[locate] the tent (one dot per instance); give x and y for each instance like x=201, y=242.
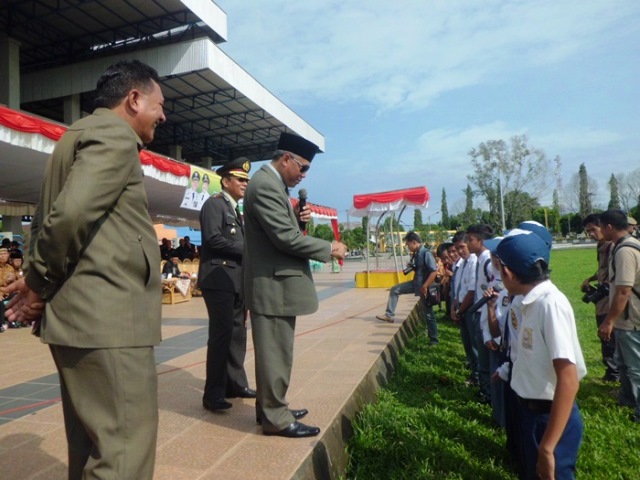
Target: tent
x=381, y=203
x=371, y=204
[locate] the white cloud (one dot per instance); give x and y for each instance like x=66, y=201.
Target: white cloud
x=406, y=54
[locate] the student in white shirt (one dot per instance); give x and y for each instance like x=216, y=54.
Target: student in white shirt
x=465, y=293
x=549, y=365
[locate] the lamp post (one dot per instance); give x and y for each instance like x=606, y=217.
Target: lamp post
x=504, y=226
x=429, y=220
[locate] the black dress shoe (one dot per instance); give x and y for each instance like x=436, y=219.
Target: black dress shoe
x=217, y=404
x=295, y=430
x=297, y=414
x=244, y=393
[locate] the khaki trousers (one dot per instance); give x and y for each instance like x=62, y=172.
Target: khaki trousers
x=110, y=405
x=273, y=346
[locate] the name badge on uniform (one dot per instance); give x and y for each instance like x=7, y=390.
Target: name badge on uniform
x=527, y=339
x=514, y=320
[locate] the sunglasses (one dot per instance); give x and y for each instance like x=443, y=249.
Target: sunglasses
x=303, y=168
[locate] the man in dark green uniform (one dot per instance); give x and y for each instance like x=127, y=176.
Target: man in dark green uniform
x=93, y=258
x=277, y=279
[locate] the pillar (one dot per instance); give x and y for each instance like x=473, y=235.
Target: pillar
x=10, y=72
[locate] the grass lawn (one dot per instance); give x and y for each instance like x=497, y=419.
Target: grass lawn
x=428, y=425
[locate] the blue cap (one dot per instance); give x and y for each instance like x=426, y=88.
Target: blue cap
x=538, y=229
x=521, y=252
x=492, y=244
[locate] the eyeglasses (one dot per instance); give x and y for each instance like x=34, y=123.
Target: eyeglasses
x=303, y=168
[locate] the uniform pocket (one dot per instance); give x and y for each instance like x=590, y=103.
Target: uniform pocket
x=287, y=272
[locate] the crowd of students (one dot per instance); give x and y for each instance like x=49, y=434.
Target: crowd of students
x=519, y=335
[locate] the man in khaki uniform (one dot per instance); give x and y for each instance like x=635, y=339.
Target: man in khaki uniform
x=277, y=279
x=93, y=258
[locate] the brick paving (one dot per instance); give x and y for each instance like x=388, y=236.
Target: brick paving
x=342, y=353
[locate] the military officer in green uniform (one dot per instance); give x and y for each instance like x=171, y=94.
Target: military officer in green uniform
x=93, y=259
x=278, y=284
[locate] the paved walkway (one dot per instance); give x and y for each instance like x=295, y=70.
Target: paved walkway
x=341, y=354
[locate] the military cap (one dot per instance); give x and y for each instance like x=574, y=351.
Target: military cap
x=195, y=175
x=239, y=167
x=632, y=222
x=205, y=178
x=298, y=145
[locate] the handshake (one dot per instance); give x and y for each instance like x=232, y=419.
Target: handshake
x=338, y=250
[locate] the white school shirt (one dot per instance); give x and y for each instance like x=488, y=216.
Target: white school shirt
x=467, y=277
x=548, y=332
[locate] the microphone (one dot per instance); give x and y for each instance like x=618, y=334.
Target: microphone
x=302, y=202
x=497, y=288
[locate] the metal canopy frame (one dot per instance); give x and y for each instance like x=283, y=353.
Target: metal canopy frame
x=206, y=116
x=59, y=32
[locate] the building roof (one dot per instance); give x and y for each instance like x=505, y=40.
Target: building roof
x=214, y=107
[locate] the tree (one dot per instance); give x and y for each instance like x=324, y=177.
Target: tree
x=584, y=207
x=614, y=197
x=444, y=210
x=522, y=207
x=417, y=219
x=324, y=232
x=555, y=211
x=571, y=196
x=629, y=188
x=469, y=215
x=513, y=167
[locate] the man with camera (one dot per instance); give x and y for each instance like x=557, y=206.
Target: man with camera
x=599, y=294
x=623, y=317
x=424, y=265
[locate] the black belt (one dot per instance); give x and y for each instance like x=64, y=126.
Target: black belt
x=536, y=406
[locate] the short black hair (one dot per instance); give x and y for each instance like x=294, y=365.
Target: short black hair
x=119, y=79
x=412, y=237
x=443, y=247
x=482, y=231
x=539, y=272
x=616, y=218
x=459, y=237
x=593, y=218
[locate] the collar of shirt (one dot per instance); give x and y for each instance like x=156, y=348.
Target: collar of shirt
x=537, y=292
x=230, y=199
x=278, y=175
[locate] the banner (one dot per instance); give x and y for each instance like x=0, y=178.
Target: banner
x=202, y=184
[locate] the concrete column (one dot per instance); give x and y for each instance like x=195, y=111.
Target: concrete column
x=206, y=162
x=72, y=108
x=175, y=151
x=10, y=72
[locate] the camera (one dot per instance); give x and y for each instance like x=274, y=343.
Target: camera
x=411, y=266
x=595, y=294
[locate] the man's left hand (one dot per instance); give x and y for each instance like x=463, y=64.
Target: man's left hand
x=605, y=329
x=26, y=306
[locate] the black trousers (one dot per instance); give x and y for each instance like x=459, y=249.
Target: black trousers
x=227, y=345
x=608, y=348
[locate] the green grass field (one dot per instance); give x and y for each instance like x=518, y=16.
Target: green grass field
x=428, y=425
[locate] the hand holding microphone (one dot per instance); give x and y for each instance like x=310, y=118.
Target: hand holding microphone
x=304, y=213
x=490, y=294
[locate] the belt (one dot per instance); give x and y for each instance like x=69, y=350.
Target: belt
x=536, y=406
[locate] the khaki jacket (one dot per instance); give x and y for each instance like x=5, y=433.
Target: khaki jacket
x=92, y=253
x=277, y=276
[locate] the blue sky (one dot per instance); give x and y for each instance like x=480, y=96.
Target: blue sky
x=402, y=90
